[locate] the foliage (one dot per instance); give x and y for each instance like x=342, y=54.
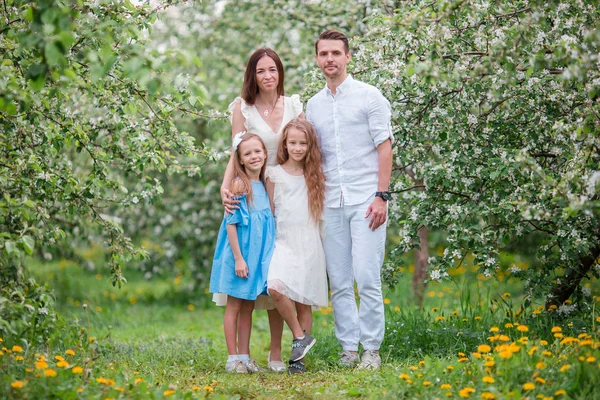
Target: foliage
x=87, y=116
x=27, y=314
x=157, y=349
x=496, y=108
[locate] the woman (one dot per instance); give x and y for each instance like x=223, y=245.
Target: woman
x=263, y=110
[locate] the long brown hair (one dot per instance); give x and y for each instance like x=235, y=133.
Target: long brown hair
x=250, y=88
x=313, y=170
x=239, y=170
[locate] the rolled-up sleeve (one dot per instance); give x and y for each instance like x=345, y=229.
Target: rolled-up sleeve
x=380, y=114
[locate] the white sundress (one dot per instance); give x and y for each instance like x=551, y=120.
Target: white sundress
x=297, y=267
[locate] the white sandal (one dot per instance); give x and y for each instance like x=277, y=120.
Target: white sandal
x=276, y=366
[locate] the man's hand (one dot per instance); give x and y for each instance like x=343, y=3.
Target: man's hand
x=229, y=203
x=241, y=269
x=378, y=212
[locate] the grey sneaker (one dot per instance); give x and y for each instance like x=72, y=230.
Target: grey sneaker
x=236, y=367
x=348, y=359
x=300, y=347
x=370, y=360
x=252, y=367
x=297, y=367
x=275, y=366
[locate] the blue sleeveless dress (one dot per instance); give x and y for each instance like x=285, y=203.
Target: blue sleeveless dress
x=256, y=236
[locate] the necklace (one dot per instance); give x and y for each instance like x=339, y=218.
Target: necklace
x=266, y=112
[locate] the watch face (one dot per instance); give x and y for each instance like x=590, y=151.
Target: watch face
x=384, y=195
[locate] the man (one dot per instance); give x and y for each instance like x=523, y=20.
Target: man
x=352, y=120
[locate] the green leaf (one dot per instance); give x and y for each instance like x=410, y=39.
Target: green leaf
x=28, y=244
x=53, y=54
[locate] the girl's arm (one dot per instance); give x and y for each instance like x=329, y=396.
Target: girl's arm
x=237, y=126
x=270, y=187
x=241, y=269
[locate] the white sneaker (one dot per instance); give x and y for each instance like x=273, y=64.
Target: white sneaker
x=252, y=367
x=370, y=360
x=349, y=359
x=236, y=366
x=276, y=366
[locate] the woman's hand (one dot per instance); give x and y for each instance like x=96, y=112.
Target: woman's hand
x=229, y=203
x=241, y=269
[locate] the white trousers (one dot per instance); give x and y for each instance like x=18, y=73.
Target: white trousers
x=355, y=253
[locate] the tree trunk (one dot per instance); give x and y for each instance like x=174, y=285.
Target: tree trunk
x=421, y=256
x=568, y=283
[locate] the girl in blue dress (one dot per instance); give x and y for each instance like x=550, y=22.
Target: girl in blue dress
x=244, y=248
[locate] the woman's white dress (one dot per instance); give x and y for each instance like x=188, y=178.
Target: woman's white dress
x=297, y=267
x=292, y=107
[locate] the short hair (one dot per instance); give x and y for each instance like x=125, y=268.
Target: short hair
x=250, y=88
x=333, y=35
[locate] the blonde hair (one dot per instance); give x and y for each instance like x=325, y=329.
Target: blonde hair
x=239, y=170
x=313, y=170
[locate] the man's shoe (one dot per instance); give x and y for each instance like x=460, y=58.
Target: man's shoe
x=370, y=360
x=300, y=347
x=297, y=367
x=349, y=359
x=236, y=367
x=252, y=367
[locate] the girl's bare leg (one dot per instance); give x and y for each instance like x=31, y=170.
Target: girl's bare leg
x=305, y=317
x=276, y=327
x=230, y=323
x=286, y=308
x=245, y=326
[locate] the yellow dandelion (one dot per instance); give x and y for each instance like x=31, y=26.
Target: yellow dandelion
x=386, y=301
x=558, y=335
x=413, y=368
x=488, y=379
x=488, y=396
x=540, y=380
x=18, y=358
x=196, y=388
x=489, y=363
x=426, y=383
x=505, y=295
x=570, y=324
x=556, y=329
x=540, y=365
x=528, y=386
x=560, y=392
x=590, y=359
x=463, y=359
x=69, y=352
x=191, y=307
x=449, y=367
x=477, y=318
x=543, y=343
x=62, y=364
x=403, y=376
x=17, y=349
x=1, y=340
x=92, y=339
x=504, y=338
x=597, y=319
x=397, y=308
x=547, y=353
x=77, y=370
x=565, y=368
x=505, y=354
x=522, y=328
x=138, y=380
x=440, y=318
x=476, y=355
x=494, y=329
x=508, y=325
x=208, y=389
x=50, y=372
x=445, y=386
x=484, y=348
x=99, y=309
x=17, y=384
x=41, y=364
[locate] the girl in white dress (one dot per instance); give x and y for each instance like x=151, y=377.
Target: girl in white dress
x=297, y=276
x=262, y=110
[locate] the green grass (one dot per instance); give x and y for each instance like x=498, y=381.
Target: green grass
x=172, y=343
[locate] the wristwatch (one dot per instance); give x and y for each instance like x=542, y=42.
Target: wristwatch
x=385, y=196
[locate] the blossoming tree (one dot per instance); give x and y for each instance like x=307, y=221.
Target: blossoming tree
x=497, y=110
